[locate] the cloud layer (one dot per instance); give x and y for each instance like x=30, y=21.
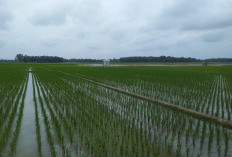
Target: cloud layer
x=113, y=29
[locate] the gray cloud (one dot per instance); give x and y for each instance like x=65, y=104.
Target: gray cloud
x=5, y=18
x=2, y=43
x=49, y=44
x=209, y=23
x=107, y=29
x=196, y=15
x=51, y=18
x=213, y=37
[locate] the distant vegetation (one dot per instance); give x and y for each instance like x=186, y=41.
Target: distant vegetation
x=134, y=59
x=219, y=60
x=82, y=60
x=6, y=60
x=157, y=59
x=38, y=59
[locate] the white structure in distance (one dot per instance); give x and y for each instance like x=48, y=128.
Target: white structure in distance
x=106, y=62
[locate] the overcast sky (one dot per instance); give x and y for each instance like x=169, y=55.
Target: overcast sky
x=116, y=28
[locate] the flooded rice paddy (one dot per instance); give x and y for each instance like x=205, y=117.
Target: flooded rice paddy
x=45, y=112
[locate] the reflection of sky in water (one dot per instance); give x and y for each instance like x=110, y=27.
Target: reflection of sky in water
x=27, y=138
x=27, y=142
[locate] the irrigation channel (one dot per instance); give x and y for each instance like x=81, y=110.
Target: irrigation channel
x=27, y=145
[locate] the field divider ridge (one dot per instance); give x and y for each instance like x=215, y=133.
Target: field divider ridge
x=203, y=116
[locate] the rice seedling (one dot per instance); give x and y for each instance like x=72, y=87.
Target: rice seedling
x=38, y=130
x=76, y=117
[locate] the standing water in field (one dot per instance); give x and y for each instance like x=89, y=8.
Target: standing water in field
x=27, y=145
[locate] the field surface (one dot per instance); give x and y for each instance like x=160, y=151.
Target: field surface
x=68, y=110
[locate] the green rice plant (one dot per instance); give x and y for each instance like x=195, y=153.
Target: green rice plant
x=6, y=129
x=55, y=121
x=38, y=134
x=19, y=121
x=46, y=121
x=89, y=120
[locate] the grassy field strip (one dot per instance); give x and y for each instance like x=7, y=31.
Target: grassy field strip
x=223, y=122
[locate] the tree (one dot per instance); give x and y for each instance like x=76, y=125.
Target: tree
x=38, y=59
x=157, y=59
x=19, y=57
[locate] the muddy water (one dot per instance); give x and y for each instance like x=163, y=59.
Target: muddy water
x=27, y=145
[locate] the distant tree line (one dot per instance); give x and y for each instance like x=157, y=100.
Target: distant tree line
x=218, y=60
x=158, y=59
x=38, y=59
x=6, y=61
x=55, y=59
x=74, y=60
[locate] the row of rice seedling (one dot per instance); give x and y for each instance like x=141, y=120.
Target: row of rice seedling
x=93, y=130
x=78, y=118
x=188, y=135
x=110, y=123
x=37, y=123
x=19, y=120
x=204, y=89
x=65, y=122
x=55, y=121
x=46, y=121
x=13, y=82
